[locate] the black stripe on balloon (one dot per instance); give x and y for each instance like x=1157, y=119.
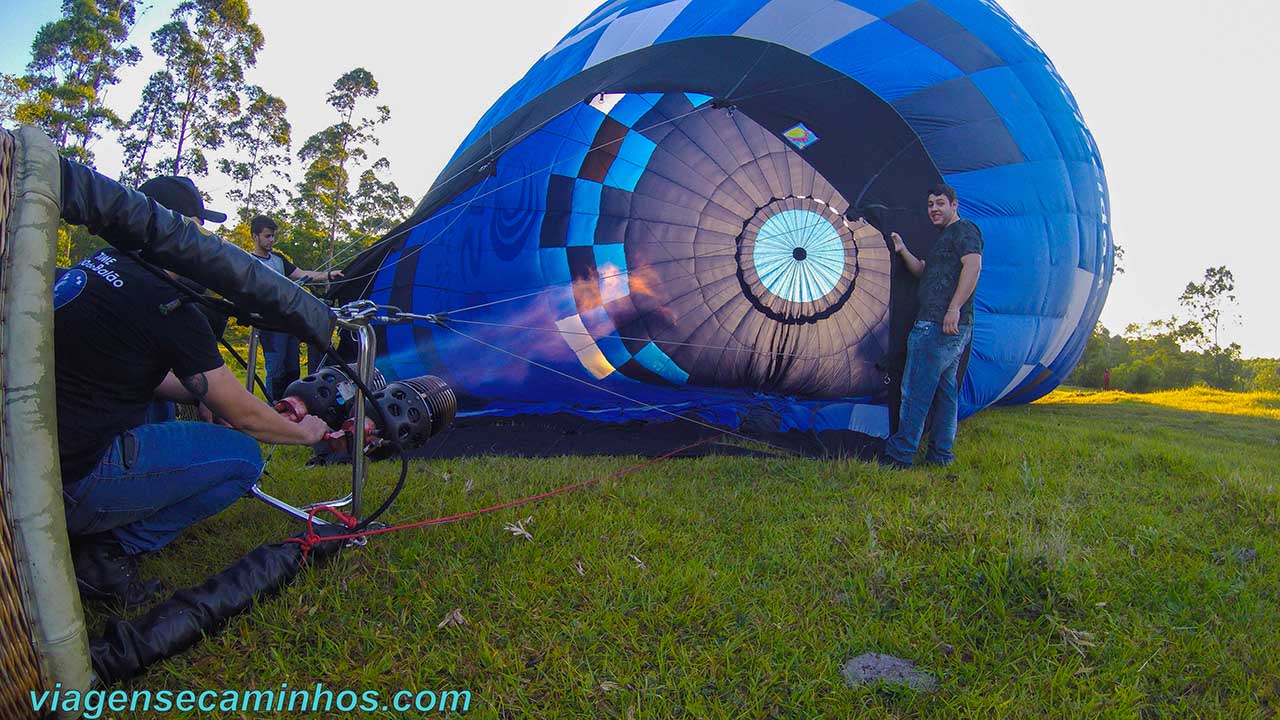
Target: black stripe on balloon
x=975, y=137
x=944, y=35
x=634, y=334
x=586, y=277
x=615, y=209
x=622, y=312
x=605, y=146
x=610, y=230
x=555, y=229
x=655, y=124
x=636, y=371
x=555, y=224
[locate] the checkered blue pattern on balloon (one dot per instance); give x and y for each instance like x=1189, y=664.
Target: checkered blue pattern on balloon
x=681, y=233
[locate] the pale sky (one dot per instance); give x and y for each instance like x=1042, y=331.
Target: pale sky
x=1180, y=95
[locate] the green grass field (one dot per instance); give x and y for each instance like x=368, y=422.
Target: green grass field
x=1092, y=555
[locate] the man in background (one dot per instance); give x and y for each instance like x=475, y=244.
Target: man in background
x=944, y=325
x=281, y=350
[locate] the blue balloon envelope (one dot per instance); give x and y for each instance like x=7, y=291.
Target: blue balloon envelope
x=682, y=207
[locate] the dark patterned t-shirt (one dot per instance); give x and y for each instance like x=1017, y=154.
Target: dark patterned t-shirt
x=942, y=272
x=115, y=337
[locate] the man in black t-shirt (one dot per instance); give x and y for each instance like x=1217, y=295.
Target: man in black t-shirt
x=944, y=325
x=281, y=351
x=123, y=338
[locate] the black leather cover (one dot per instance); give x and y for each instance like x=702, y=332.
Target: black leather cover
x=129, y=220
x=128, y=647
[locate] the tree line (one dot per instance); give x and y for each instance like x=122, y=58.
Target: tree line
x=198, y=114
x=1182, y=351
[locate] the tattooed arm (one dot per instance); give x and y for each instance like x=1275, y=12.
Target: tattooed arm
x=171, y=389
x=221, y=391
x=197, y=385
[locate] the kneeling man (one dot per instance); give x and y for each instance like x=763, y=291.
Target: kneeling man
x=121, y=342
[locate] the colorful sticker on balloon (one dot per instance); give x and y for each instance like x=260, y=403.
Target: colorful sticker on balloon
x=801, y=136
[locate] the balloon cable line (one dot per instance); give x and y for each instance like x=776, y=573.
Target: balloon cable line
x=541, y=290
x=754, y=65
x=311, y=538
x=558, y=331
x=595, y=386
x=481, y=162
x=450, y=315
x=549, y=288
x=359, y=530
x=478, y=163
x=915, y=141
x=460, y=210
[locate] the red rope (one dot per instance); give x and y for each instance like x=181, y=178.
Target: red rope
x=312, y=538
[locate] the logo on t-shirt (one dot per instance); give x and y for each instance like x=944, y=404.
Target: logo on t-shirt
x=100, y=265
x=69, y=287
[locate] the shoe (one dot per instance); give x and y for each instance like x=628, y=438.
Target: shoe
x=106, y=573
x=888, y=461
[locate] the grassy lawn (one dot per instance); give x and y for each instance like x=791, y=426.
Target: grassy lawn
x=1197, y=399
x=1092, y=555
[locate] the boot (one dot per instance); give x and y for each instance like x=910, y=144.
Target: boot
x=106, y=573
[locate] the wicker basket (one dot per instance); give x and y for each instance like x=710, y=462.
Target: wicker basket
x=42, y=635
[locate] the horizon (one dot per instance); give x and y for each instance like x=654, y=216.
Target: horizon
x=1187, y=106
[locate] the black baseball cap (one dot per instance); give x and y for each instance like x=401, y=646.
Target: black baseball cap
x=180, y=195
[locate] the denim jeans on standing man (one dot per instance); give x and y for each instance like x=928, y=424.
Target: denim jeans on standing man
x=283, y=354
x=930, y=390
x=154, y=481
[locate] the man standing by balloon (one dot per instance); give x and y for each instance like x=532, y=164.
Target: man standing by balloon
x=944, y=325
x=282, y=350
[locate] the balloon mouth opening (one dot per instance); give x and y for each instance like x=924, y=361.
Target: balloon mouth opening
x=797, y=259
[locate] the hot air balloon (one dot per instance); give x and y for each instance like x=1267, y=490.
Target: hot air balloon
x=681, y=209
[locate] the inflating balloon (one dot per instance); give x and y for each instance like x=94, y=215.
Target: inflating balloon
x=682, y=207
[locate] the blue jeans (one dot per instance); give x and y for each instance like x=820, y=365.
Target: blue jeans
x=160, y=411
x=929, y=391
x=154, y=481
x=283, y=356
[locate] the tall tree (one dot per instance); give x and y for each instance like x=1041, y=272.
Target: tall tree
x=379, y=205
x=1210, y=302
x=325, y=208
x=320, y=198
x=74, y=59
x=261, y=136
x=149, y=126
x=11, y=95
x=206, y=47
